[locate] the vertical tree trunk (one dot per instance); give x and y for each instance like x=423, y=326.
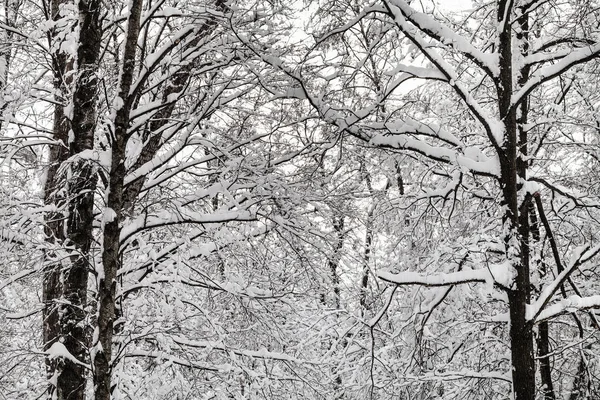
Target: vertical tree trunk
x=102, y=351
x=10, y=11
x=364, y=284
x=543, y=339
x=545, y=367
x=69, y=283
x=334, y=268
x=54, y=221
x=334, y=261
x=517, y=236
x=81, y=188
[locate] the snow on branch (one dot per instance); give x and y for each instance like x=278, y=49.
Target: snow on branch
x=443, y=34
x=535, y=310
x=460, y=374
x=159, y=163
x=178, y=361
x=145, y=222
x=199, y=250
x=418, y=72
x=499, y=273
x=404, y=17
x=152, y=60
x=359, y=17
x=453, y=278
x=58, y=350
x=480, y=164
x=473, y=159
x=262, y=353
x=568, y=305
x=410, y=125
x=14, y=278
x=12, y=237
x=549, y=72
x=579, y=198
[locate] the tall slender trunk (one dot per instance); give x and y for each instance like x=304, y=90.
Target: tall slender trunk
x=54, y=228
x=10, y=12
x=516, y=218
x=364, y=284
x=544, y=355
x=334, y=268
x=55, y=237
x=107, y=280
x=334, y=260
x=543, y=338
x=81, y=188
x=528, y=220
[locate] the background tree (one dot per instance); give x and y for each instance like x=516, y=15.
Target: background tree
x=499, y=77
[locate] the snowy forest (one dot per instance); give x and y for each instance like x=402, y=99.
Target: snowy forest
x=311, y=199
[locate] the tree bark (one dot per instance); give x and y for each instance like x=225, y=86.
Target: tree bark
x=545, y=366
x=516, y=218
x=334, y=260
x=580, y=388
x=54, y=229
x=81, y=188
x=107, y=282
x=364, y=284
x=64, y=320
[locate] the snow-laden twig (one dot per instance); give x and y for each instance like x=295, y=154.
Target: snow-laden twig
x=441, y=279
x=581, y=255
x=570, y=304
x=58, y=350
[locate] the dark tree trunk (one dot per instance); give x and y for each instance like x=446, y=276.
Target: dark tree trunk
x=364, y=284
x=516, y=218
x=54, y=228
x=334, y=260
x=11, y=10
x=69, y=283
x=55, y=237
x=334, y=268
x=545, y=365
x=581, y=385
x=81, y=188
x=107, y=280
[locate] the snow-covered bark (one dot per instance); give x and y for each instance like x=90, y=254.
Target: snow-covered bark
x=70, y=187
x=54, y=195
x=102, y=346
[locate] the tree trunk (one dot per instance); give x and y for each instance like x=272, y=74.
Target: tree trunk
x=580, y=389
x=334, y=260
x=81, y=188
x=364, y=284
x=107, y=280
x=54, y=221
x=545, y=366
x=65, y=320
x=516, y=218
